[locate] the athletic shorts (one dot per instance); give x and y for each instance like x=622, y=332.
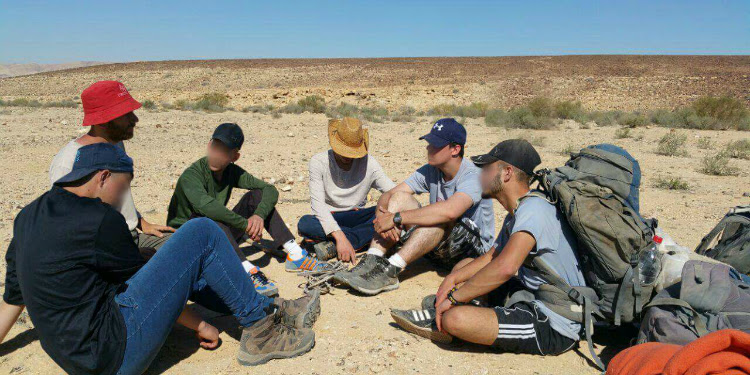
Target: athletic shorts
x=522, y=328
x=464, y=241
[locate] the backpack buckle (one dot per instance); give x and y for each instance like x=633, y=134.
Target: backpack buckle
x=575, y=295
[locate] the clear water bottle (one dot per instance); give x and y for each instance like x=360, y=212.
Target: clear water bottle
x=649, y=263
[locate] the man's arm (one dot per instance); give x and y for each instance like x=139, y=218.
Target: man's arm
x=462, y=274
x=8, y=316
x=437, y=213
x=207, y=205
x=504, y=266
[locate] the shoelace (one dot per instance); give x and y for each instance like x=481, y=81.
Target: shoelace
x=320, y=279
x=261, y=278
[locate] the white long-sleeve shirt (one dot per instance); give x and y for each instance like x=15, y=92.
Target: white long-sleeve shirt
x=333, y=189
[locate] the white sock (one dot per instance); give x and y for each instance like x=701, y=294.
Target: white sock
x=397, y=261
x=294, y=250
x=247, y=265
x=376, y=252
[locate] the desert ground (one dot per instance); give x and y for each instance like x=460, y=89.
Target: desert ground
x=355, y=334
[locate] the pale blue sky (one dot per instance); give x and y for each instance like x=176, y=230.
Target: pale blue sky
x=62, y=31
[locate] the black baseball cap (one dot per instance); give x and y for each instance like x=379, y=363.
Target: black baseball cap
x=445, y=131
x=230, y=134
x=96, y=157
x=516, y=152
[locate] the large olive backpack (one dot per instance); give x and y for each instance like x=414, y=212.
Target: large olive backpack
x=597, y=192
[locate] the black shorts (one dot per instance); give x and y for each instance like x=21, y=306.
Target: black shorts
x=522, y=328
x=464, y=241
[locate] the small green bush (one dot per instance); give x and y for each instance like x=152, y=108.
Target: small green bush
x=724, y=108
x=671, y=144
x=633, y=120
x=312, y=104
x=569, y=149
x=739, y=149
x=258, y=108
x=473, y=110
x=605, y=118
x=622, y=133
x=541, y=107
x=718, y=165
x=675, y=183
x=148, y=104
x=705, y=143
x=570, y=110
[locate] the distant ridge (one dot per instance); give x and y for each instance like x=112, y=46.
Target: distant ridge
x=13, y=70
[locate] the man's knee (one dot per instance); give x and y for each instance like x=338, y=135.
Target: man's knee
x=402, y=201
x=453, y=320
x=252, y=197
x=201, y=229
x=307, y=225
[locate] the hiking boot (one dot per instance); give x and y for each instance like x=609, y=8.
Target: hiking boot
x=301, y=312
x=306, y=263
x=383, y=276
x=365, y=264
x=421, y=323
x=270, y=338
x=325, y=250
x=262, y=284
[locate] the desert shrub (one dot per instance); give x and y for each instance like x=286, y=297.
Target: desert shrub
x=605, y=118
x=312, y=104
x=536, y=141
x=718, y=165
x=258, y=108
x=212, y=102
x=33, y=103
x=343, y=110
x=739, y=149
x=541, y=107
x=148, y=104
x=569, y=149
x=622, y=133
x=724, y=108
x=374, y=114
x=275, y=115
x=705, y=143
x=675, y=183
x=570, y=110
x=473, y=110
x=632, y=119
x=671, y=144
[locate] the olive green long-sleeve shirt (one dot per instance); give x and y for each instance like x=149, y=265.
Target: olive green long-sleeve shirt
x=197, y=191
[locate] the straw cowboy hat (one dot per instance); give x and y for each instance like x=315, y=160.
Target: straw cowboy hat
x=348, y=138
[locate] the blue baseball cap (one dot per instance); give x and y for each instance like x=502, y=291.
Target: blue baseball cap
x=445, y=131
x=97, y=157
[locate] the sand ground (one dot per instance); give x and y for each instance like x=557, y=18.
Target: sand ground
x=354, y=334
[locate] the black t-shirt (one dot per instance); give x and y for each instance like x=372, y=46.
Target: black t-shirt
x=68, y=258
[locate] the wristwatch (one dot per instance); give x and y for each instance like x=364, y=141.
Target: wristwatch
x=397, y=220
x=453, y=300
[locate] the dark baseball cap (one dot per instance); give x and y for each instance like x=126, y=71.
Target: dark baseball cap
x=97, y=157
x=445, y=131
x=230, y=134
x=516, y=152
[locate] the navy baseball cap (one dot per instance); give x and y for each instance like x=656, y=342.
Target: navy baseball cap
x=445, y=131
x=97, y=157
x=230, y=134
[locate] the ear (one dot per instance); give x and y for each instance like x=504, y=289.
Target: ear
x=236, y=156
x=509, y=173
x=103, y=177
x=456, y=150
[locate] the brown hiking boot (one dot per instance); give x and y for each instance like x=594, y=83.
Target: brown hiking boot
x=301, y=312
x=270, y=338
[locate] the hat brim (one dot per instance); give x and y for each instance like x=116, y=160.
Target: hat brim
x=434, y=140
x=75, y=175
x=106, y=115
x=339, y=147
x=480, y=160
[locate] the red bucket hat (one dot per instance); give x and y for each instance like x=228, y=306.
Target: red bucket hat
x=105, y=101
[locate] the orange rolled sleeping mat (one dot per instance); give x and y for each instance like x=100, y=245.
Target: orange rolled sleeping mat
x=722, y=352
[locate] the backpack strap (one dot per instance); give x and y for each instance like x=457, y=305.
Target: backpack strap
x=697, y=320
x=580, y=296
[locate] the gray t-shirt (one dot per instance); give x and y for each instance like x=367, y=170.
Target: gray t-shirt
x=428, y=179
x=555, y=243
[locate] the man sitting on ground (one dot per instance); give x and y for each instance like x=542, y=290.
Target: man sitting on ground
x=204, y=189
x=532, y=228
x=456, y=224
x=98, y=309
x=340, y=180
x=108, y=112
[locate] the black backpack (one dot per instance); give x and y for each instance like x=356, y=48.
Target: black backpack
x=729, y=241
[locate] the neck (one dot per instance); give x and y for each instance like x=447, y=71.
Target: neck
x=510, y=195
x=95, y=135
x=450, y=169
x=218, y=174
x=84, y=191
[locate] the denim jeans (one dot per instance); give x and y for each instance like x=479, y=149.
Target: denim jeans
x=196, y=263
x=356, y=225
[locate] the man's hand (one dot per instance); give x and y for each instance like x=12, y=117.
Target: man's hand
x=208, y=335
x=384, y=223
x=442, y=293
x=344, y=248
x=440, y=309
x=154, y=229
x=255, y=227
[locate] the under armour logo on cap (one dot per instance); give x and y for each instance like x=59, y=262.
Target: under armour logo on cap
x=438, y=126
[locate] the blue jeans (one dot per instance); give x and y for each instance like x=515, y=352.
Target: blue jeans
x=196, y=263
x=356, y=225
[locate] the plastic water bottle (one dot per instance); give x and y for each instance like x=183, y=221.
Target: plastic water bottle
x=649, y=263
